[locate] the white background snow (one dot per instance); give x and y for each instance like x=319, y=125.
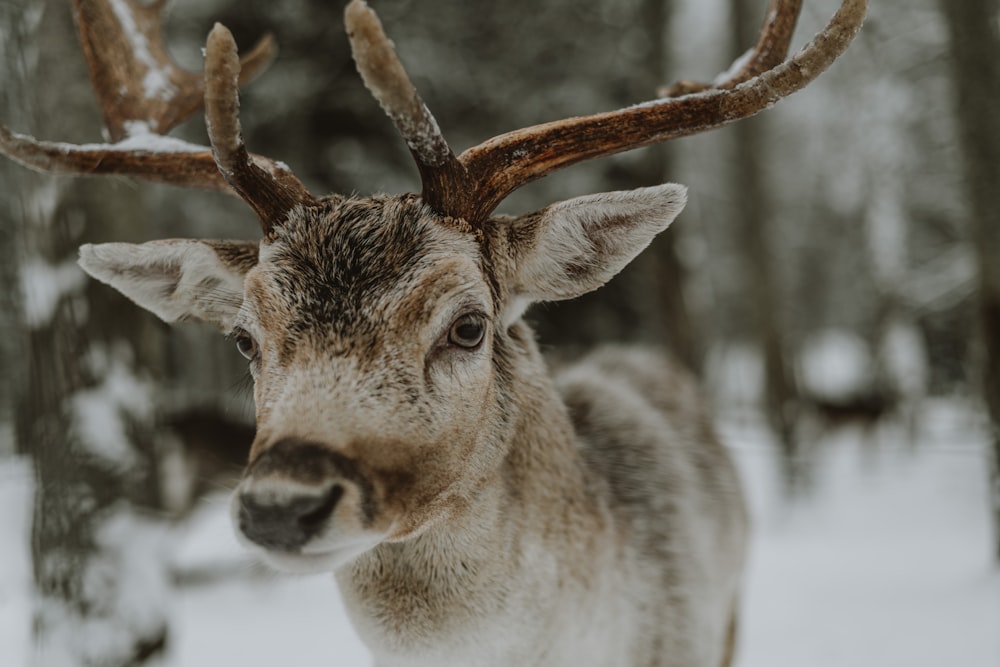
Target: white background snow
x=885, y=562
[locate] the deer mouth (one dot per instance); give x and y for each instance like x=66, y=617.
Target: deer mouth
x=319, y=559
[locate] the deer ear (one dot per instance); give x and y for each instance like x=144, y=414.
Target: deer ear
x=176, y=279
x=577, y=245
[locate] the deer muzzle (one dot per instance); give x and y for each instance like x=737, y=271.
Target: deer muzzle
x=295, y=493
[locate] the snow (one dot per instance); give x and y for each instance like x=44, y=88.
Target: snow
x=43, y=285
x=42, y=199
x=15, y=559
x=836, y=364
x=905, y=356
x=139, y=142
x=885, y=561
x=266, y=624
x=126, y=588
x=100, y=414
x=156, y=83
x=424, y=137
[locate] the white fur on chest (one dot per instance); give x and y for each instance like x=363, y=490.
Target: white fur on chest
x=550, y=620
x=593, y=630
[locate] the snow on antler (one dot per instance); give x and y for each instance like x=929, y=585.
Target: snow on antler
x=143, y=94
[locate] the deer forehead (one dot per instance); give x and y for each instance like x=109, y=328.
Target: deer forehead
x=364, y=274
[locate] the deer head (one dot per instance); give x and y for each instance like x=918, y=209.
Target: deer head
x=384, y=334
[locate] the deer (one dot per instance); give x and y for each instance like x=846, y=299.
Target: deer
x=473, y=507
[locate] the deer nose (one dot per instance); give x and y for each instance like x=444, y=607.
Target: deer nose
x=286, y=522
x=289, y=494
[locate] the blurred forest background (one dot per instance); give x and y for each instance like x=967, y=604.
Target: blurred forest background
x=838, y=260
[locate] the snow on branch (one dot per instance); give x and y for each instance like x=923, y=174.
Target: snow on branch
x=43, y=286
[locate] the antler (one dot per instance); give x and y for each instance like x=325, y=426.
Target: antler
x=473, y=184
x=146, y=85
x=769, y=52
x=143, y=94
x=270, y=197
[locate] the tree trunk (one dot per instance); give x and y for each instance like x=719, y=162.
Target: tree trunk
x=660, y=266
x=750, y=191
x=645, y=303
x=86, y=414
x=670, y=273
x=975, y=47
x=899, y=377
x=15, y=29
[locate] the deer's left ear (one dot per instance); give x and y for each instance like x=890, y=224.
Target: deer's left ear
x=176, y=279
x=577, y=245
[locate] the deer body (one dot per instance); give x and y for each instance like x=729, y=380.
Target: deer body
x=619, y=542
x=475, y=509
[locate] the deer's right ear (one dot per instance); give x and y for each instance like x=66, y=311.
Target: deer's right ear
x=577, y=245
x=176, y=280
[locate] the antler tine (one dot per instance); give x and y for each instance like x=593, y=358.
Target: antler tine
x=271, y=198
x=500, y=165
x=474, y=184
x=386, y=78
x=142, y=94
x=150, y=157
x=769, y=52
x=138, y=85
x=772, y=46
x=176, y=163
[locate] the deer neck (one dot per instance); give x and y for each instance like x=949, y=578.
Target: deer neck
x=528, y=529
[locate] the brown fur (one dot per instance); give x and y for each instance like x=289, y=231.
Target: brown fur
x=476, y=511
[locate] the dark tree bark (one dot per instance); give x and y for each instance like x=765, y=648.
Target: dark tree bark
x=669, y=273
x=654, y=283
x=14, y=28
x=749, y=188
x=975, y=47
x=86, y=414
x=646, y=302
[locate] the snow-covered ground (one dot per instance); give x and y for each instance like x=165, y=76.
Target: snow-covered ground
x=885, y=562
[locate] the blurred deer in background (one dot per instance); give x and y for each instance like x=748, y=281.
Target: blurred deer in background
x=475, y=510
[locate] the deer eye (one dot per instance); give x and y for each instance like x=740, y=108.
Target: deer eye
x=246, y=345
x=467, y=331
